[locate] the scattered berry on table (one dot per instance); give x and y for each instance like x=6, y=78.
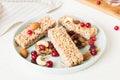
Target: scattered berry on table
x=116, y=28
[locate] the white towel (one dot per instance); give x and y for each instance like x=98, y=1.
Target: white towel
x=17, y=10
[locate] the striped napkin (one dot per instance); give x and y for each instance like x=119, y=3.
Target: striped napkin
x=13, y=11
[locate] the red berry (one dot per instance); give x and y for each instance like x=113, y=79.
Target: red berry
x=54, y=54
x=116, y=28
x=88, y=25
x=49, y=64
x=76, y=36
x=93, y=52
x=91, y=43
x=30, y=32
x=34, y=56
x=71, y=33
x=33, y=52
x=98, y=2
x=92, y=47
x=82, y=24
x=94, y=38
x=42, y=47
x=33, y=61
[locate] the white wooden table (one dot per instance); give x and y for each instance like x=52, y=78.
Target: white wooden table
x=107, y=68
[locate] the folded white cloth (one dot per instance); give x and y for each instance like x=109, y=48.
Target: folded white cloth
x=20, y=11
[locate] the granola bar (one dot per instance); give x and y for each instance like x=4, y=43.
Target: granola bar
x=34, y=31
x=65, y=46
x=68, y=23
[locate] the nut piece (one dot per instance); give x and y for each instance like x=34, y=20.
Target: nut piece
x=41, y=60
x=41, y=42
x=24, y=52
x=86, y=56
x=34, y=25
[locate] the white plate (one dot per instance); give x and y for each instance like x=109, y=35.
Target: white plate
x=101, y=43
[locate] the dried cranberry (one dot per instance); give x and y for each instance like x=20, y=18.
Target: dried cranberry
x=92, y=47
x=82, y=24
x=91, y=43
x=34, y=56
x=76, y=21
x=33, y=52
x=98, y=2
x=50, y=45
x=42, y=47
x=49, y=64
x=79, y=43
x=116, y=28
x=93, y=52
x=33, y=61
x=30, y=32
x=71, y=33
x=88, y=25
x=54, y=53
x=93, y=38
x=76, y=36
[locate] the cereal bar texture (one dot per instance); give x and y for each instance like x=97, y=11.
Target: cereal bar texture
x=39, y=29
x=65, y=46
x=68, y=23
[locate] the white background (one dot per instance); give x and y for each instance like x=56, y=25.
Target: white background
x=106, y=68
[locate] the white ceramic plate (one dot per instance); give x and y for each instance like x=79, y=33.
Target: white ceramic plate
x=101, y=43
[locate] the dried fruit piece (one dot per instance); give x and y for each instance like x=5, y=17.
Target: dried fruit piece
x=34, y=57
x=82, y=24
x=93, y=38
x=86, y=56
x=116, y=28
x=98, y=2
x=71, y=33
x=30, y=32
x=50, y=45
x=33, y=52
x=24, y=52
x=54, y=53
x=76, y=36
x=93, y=52
x=49, y=64
x=34, y=25
x=42, y=47
x=88, y=25
x=76, y=21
